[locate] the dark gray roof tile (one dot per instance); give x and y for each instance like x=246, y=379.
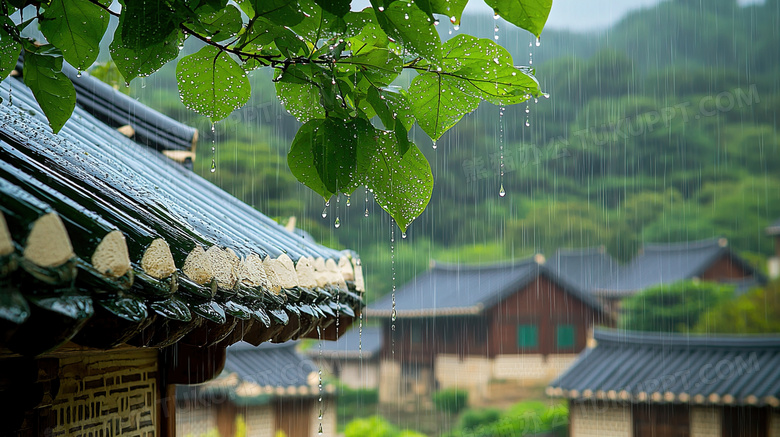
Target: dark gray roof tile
x=684, y=365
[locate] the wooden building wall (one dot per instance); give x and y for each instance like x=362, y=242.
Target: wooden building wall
x=82, y=393
x=546, y=305
x=722, y=269
x=494, y=332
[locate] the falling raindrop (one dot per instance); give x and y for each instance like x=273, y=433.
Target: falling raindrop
x=319, y=372
x=502, y=191
x=337, y=223
x=325, y=212
x=348, y=202
x=213, y=149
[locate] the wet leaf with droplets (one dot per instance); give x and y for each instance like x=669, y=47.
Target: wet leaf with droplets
x=530, y=15
x=212, y=83
x=52, y=89
x=75, y=27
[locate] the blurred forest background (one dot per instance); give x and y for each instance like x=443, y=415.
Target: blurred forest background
x=662, y=128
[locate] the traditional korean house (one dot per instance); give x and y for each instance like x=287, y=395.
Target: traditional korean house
x=123, y=274
x=773, y=231
x=268, y=388
x=353, y=358
x=591, y=268
x=673, y=385
x=466, y=325
x=655, y=264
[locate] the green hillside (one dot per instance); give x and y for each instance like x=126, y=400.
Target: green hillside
x=663, y=128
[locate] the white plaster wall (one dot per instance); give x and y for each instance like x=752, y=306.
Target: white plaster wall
x=259, y=421
x=706, y=421
x=602, y=421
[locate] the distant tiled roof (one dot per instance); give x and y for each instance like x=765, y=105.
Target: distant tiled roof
x=271, y=365
x=453, y=289
x=590, y=268
x=179, y=252
x=256, y=375
x=352, y=345
x=666, y=263
x=673, y=368
x=774, y=228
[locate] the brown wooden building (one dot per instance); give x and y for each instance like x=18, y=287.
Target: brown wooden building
x=643, y=384
x=462, y=326
x=773, y=231
x=666, y=263
x=123, y=274
x=268, y=388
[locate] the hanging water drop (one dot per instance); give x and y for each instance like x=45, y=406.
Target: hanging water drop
x=502, y=191
x=337, y=223
x=403, y=235
x=348, y=201
x=538, y=41
x=434, y=145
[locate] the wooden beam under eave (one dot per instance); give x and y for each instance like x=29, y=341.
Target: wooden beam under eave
x=187, y=364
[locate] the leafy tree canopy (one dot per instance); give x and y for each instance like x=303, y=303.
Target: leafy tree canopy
x=334, y=71
x=674, y=307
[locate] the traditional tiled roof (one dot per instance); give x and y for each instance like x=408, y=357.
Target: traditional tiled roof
x=774, y=228
x=590, y=268
x=104, y=240
x=455, y=289
x=256, y=375
x=354, y=344
x=666, y=263
x=673, y=368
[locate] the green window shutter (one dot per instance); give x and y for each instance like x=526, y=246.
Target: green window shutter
x=527, y=336
x=565, y=336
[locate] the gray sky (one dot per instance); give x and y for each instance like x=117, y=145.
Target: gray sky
x=575, y=15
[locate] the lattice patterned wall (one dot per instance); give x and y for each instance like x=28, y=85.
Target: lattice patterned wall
x=107, y=394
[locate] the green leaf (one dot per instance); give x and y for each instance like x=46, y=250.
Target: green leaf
x=392, y=110
x=410, y=27
x=220, y=24
x=263, y=34
x=307, y=91
x=212, y=83
x=402, y=183
x=282, y=12
x=318, y=24
x=52, y=89
x=487, y=71
x=379, y=65
x=301, y=159
x=338, y=8
x=132, y=62
x=146, y=23
x=527, y=14
x=335, y=152
x=362, y=29
x=450, y=8
x=439, y=102
x=9, y=49
x=75, y=27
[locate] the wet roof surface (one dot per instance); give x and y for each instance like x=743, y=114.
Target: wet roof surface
x=634, y=366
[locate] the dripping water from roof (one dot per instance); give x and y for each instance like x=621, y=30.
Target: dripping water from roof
x=337, y=223
x=366, y=203
x=319, y=376
x=213, y=148
x=393, y=314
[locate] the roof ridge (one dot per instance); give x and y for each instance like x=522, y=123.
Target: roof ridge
x=438, y=265
x=596, y=250
x=683, y=340
x=687, y=245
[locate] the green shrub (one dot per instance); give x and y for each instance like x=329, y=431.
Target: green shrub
x=672, y=307
x=376, y=426
x=472, y=419
x=358, y=396
x=450, y=400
